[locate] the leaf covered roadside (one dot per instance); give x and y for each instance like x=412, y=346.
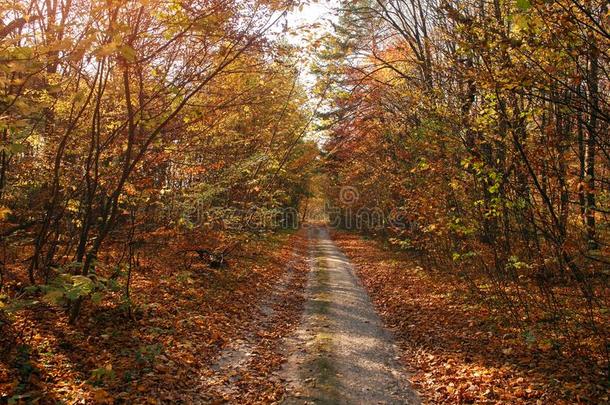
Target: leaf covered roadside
x=165, y=353
x=458, y=350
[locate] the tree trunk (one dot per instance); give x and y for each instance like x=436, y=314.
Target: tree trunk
x=590, y=141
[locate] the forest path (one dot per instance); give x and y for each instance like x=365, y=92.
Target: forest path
x=341, y=353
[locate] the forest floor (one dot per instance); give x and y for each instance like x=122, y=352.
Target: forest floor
x=195, y=335
x=456, y=349
x=289, y=321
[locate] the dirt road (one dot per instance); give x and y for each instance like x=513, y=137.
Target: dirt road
x=341, y=353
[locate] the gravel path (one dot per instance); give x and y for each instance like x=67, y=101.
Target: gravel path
x=341, y=353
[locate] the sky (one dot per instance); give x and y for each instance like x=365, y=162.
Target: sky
x=320, y=11
x=312, y=12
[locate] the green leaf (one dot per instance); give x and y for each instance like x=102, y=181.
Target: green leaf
x=97, y=297
x=73, y=294
x=53, y=297
x=106, y=49
x=524, y=5
x=16, y=148
x=82, y=282
x=81, y=286
x=127, y=52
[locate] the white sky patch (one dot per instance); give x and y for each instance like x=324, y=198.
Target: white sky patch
x=299, y=29
x=313, y=12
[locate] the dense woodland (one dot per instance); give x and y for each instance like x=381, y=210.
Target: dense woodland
x=483, y=127
x=182, y=131
x=130, y=117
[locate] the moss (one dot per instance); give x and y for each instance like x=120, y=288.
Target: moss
x=326, y=382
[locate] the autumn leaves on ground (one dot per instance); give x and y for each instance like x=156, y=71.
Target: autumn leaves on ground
x=182, y=341
x=162, y=164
